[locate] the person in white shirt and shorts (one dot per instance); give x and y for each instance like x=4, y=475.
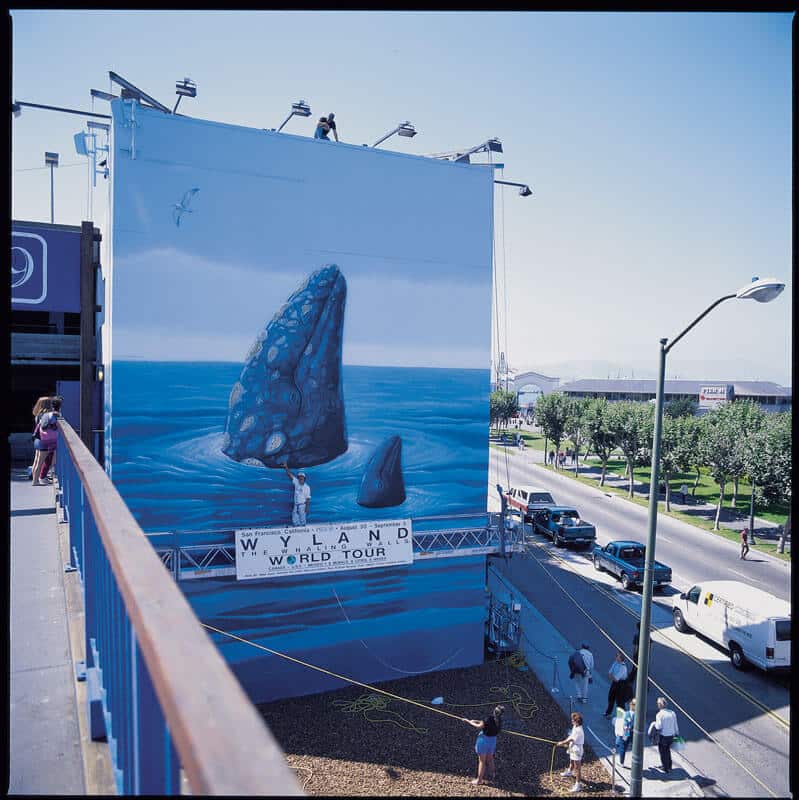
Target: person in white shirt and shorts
x=575, y=743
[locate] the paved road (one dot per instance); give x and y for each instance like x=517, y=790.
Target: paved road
x=731, y=706
x=693, y=554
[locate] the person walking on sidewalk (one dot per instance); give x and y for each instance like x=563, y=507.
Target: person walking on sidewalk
x=623, y=731
x=744, y=542
x=618, y=678
x=574, y=742
x=666, y=728
x=684, y=493
x=581, y=665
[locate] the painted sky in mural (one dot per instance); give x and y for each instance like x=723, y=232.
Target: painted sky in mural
x=217, y=225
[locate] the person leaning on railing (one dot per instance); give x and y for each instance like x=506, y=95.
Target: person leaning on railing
x=43, y=405
x=48, y=437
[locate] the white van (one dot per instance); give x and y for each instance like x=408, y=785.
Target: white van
x=753, y=625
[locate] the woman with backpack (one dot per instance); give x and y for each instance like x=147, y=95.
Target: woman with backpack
x=48, y=440
x=486, y=744
x=43, y=405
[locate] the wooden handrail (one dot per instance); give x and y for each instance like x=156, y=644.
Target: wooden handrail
x=223, y=744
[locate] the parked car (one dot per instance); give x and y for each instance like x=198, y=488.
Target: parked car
x=751, y=624
x=625, y=560
x=564, y=525
x=528, y=499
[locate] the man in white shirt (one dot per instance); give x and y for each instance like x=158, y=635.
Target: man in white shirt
x=302, y=497
x=618, y=675
x=666, y=725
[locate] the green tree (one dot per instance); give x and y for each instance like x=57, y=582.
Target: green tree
x=551, y=412
x=718, y=447
x=677, y=449
x=575, y=425
x=502, y=406
x=680, y=407
x=597, y=433
x=748, y=420
x=631, y=426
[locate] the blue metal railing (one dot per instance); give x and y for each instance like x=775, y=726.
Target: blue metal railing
x=158, y=690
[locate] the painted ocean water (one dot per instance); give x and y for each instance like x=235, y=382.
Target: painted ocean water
x=168, y=424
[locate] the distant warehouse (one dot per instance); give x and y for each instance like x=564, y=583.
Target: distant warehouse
x=706, y=394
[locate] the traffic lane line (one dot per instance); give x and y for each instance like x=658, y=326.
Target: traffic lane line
x=691, y=677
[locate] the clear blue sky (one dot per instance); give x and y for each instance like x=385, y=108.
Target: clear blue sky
x=658, y=147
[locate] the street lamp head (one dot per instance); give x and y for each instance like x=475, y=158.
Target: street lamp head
x=525, y=191
x=764, y=290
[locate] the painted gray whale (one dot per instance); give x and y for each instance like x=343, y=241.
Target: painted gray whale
x=288, y=404
x=382, y=484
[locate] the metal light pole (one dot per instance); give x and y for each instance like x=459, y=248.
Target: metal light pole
x=763, y=291
x=51, y=160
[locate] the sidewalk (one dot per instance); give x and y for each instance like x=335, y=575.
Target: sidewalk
x=548, y=658
x=45, y=745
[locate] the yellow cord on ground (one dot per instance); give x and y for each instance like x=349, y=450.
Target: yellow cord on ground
x=382, y=691
x=374, y=702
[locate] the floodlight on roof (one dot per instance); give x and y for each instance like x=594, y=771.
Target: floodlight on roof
x=403, y=129
x=298, y=109
x=185, y=88
x=524, y=189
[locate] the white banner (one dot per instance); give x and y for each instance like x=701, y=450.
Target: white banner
x=270, y=552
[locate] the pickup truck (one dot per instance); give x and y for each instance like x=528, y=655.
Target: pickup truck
x=625, y=560
x=564, y=525
x=527, y=500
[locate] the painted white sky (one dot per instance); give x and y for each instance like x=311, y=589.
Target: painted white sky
x=658, y=148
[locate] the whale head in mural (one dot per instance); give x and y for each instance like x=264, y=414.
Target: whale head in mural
x=288, y=405
x=382, y=484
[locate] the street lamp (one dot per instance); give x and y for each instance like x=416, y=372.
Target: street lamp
x=763, y=290
x=51, y=160
x=299, y=109
x=403, y=129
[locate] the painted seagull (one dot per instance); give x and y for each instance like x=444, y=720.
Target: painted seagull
x=178, y=209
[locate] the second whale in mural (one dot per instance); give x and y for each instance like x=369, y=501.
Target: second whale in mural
x=382, y=484
x=288, y=404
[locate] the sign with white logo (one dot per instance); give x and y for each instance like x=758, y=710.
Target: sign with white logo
x=711, y=396
x=271, y=552
x=45, y=267
x=28, y=268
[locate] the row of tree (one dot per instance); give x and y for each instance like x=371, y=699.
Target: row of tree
x=733, y=441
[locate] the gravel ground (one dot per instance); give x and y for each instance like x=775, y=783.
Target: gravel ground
x=346, y=743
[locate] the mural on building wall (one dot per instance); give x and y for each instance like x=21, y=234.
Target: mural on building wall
x=278, y=303
x=282, y=300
